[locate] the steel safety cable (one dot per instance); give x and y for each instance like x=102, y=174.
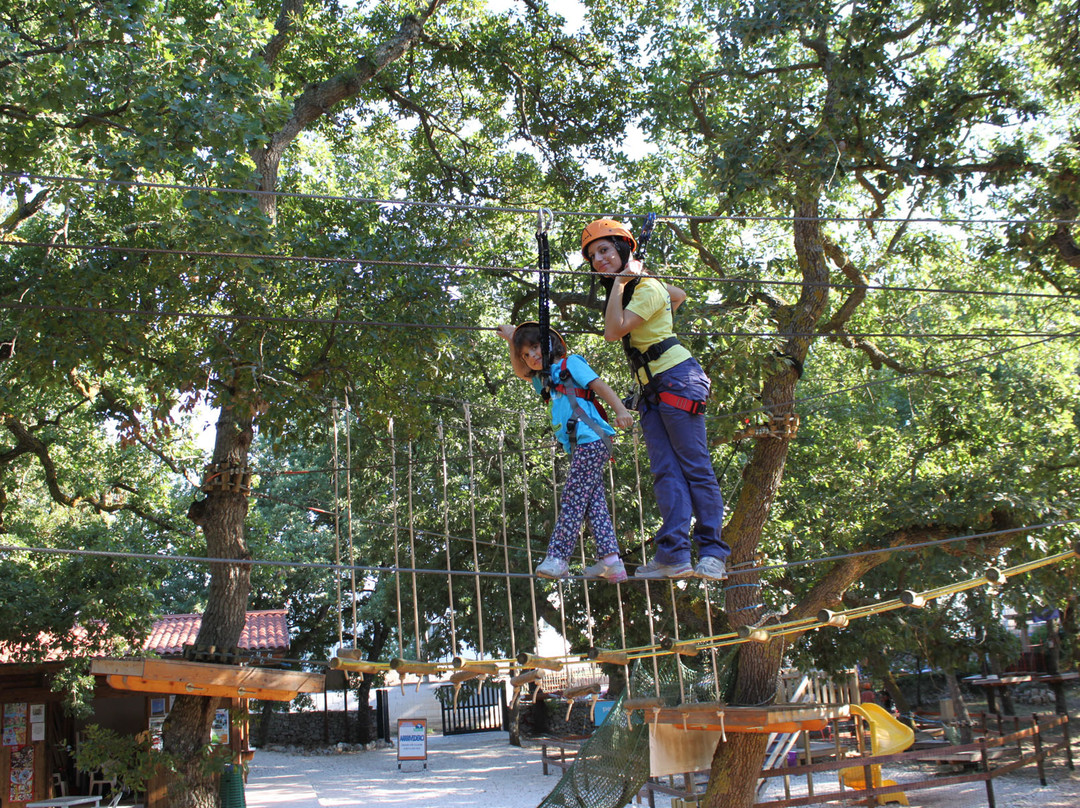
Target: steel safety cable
x=78, y=180
x=323, y=565
x=489, y=269
x=146, y=314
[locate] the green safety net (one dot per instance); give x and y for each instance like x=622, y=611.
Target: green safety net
x=613, y=764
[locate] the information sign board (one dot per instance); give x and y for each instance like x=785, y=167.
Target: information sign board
x=412, y=740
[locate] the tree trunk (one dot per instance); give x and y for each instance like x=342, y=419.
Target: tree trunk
x=736, y=765
x=1008, y=707
x=898, y=697
x=365, y=733
x=514, y=716
x=187, y=729
x=963, y=717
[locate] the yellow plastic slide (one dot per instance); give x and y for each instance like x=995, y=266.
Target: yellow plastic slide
x=887, y=737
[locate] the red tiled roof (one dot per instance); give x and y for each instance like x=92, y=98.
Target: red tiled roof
x=264, y=631
x=47, y=648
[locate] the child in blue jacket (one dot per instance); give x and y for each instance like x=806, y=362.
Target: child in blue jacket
x=586, y=436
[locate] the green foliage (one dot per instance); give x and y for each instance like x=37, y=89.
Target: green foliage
x=131, y=759
x=883, y=114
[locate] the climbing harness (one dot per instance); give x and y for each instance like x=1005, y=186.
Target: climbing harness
x=575, y=394
x=640, y=360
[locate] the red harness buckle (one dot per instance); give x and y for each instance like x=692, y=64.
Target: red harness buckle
x=680, y=403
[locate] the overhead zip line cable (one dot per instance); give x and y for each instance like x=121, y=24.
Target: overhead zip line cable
x=393, y=324
x=506, y=270
x=43, y=178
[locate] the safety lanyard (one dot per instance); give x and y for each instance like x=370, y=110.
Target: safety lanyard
x=543, y=220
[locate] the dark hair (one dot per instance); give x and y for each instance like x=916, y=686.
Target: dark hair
x=528, y=334
x=622, y=247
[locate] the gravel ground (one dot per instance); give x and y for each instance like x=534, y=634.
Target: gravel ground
x=484, y=771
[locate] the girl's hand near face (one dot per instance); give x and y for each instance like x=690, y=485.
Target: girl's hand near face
x=506, y=332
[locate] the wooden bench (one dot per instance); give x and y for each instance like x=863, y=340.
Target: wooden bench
x=567, y=752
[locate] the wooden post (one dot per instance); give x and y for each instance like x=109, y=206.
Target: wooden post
x=1038, y=750
x=835, y=725
x=1019, y=740
x=989, y=776
x=1068, y=742
x=809, y=761
x=868, y=782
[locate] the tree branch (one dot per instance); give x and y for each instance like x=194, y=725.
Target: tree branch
x=318, y=98
x=24, y=210
x=852, y=273
x=291, y=11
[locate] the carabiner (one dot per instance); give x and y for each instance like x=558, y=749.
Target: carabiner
x=544, y=219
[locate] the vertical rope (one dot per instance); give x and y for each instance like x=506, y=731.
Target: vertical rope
x=472, y=520
x=348, y=514
x=641, y=532
x=562, y=595
x=412, y=549
x=446, y=541
x=712, y=651
x=585, y=588
x=506, y=546
x=562, y=617
x=337, y=521
x=678, y=657
x=397, y=557
x=528, y=532
x=618, y=586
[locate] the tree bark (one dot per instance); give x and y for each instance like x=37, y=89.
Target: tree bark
x=737, y=763
x=963, y=717
x=187, y=729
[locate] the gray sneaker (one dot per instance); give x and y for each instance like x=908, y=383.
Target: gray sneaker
x=615, y=573
x=656, y=571
x=711, y=568
x=552, y=567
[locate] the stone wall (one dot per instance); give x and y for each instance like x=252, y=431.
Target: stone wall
x=547, y=716
x=314, y=728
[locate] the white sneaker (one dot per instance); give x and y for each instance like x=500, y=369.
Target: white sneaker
x=711, y=568
x=655, y=571
x=615, y=573
x=552, y=567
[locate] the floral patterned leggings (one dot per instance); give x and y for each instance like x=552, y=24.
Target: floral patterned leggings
x=583, y=498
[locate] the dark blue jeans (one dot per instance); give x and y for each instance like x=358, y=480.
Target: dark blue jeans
x=684, y=481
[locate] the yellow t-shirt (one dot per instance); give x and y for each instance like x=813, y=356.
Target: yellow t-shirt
x=652, y=303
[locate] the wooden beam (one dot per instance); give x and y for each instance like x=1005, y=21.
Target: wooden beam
x=205, y=674
x=141, y=685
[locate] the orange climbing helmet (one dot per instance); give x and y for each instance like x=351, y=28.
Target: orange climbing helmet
x=605, y=228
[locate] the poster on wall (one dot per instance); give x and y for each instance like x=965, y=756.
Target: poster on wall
x=219, y=732
x=21, y=780
x=156, y=724
x=14, y=724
